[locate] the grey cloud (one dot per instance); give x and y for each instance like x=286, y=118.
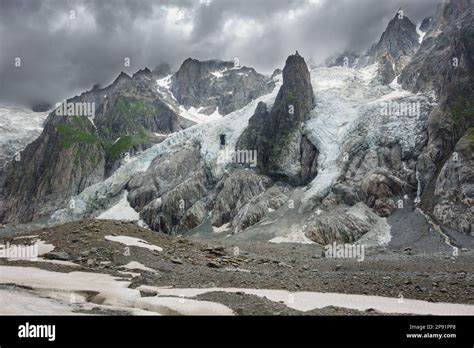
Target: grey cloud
x=61, y=57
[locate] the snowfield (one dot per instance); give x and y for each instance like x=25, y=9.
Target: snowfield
x=132, y=241
x=63, y=292
x=60, y=293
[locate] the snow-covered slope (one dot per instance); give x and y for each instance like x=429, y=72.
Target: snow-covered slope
x=191, y=114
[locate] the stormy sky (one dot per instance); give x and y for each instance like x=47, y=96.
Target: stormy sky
x=66, y=46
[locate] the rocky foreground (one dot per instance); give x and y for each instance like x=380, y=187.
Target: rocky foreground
x=163, y=263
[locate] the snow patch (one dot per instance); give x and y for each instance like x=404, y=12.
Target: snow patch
x=421, y=34
x=165, y=82
x=219, y=74
x=222, y=228
x=296, y=235
x=196, y=116
x=132, y=241
x=132, y=265
x=121, y=211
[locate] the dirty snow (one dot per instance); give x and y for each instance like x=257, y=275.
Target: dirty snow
x=296, y=235
x=18, y=302
x=181, y=306
x=306, y=301
x=112, y=293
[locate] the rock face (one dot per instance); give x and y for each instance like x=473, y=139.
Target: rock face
x=130, y=117
x=445, y=64
x=283, y=151
x=76, y=151
x=454, y=189
x=339, y=225
x=216, y=85
x=444, y=61
x=258, y=207
x=176, y=194
x=169, y=189
x=67, y=157
x=234, y=192
x=397, y=45
x=377, y=176
x=426, y=24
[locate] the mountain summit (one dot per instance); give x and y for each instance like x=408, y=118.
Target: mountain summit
x=283, y=150
x=397, y=45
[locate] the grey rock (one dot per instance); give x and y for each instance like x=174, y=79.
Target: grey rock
x=234, y=192
x=57, y=255
x=337, y=225
x=454, y=188
x=283, y=150
x=258, y=207
x=216, y=84
x=397, y=45
x=177, y=260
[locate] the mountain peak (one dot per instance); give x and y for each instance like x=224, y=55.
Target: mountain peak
x=297, y=81
x=122, y=76
x=217, y=85
x=397, y=45
x=141, y=72
x=397, y=23
x=272, y=132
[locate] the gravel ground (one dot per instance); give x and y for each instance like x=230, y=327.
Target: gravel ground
x=436, y=277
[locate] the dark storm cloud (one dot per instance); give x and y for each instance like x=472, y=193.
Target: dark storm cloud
x=61, y=56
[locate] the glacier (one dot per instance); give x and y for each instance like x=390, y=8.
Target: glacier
x=348, y=111
x=19, y=126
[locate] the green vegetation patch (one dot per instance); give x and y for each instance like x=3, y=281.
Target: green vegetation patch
x=467, y=141
x=462, y=110
x=126, y=142
x=74, y=132
x=132, y=107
